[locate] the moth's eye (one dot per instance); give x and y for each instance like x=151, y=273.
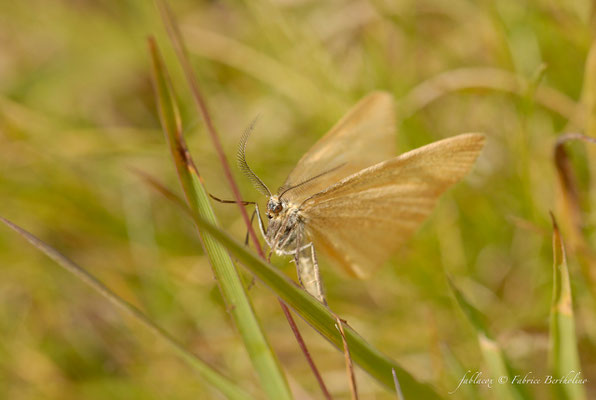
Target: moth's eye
x=277, y=208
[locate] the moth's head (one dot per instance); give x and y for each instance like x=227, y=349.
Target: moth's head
x=274, y=206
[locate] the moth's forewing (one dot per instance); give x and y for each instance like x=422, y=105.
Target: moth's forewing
x=361, y=220
x=363, y=137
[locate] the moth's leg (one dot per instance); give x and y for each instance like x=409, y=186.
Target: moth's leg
x=264, y=232
x=252, y=218
x=307, y=269
x=317, y=274
x=298, y=248
x=252, y=279
x=260, y=221
x=293, y=252
x=306, y=246
x=296, y=253
x=244, y=203
x=257, y=213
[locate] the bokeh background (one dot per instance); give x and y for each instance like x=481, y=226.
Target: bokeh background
x=77, y=113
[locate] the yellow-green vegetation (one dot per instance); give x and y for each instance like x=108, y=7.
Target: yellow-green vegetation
x=84, y=106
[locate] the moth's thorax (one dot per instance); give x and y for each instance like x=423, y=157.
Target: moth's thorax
x=285, y=225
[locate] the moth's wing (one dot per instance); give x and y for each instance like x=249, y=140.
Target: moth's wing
x=360, y=221
x=363, y=137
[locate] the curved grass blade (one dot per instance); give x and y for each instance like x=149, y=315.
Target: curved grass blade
x=223, y=384
x=260, y=352
x=488, y=78
x=563, y=356
x=491, y=351
x=312, y=311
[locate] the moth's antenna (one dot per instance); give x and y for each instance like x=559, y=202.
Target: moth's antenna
x=243, y=165
x=285, y=190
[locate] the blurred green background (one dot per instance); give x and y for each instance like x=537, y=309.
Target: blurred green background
x=77, y=112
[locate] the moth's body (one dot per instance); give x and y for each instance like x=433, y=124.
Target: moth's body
x=351, y=198
x=286, y=226
x=286, y=236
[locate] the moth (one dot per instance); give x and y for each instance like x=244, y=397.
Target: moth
x=350, y=198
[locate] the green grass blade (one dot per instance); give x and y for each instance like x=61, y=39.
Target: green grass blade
x=226, y=386
x=262, y=356
x=563, y=356
x=491, y=351
x=313, y=312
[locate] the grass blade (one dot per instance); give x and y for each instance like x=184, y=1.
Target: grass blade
x=264, y=360
x=312, y=311
x=563, y=356
x=179, y=46
x=491, y=351
x=226, y=386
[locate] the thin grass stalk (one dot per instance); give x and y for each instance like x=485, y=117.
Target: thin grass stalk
x=348, y=360
x=210, y=374
x=305, y=350
x=262, y=356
